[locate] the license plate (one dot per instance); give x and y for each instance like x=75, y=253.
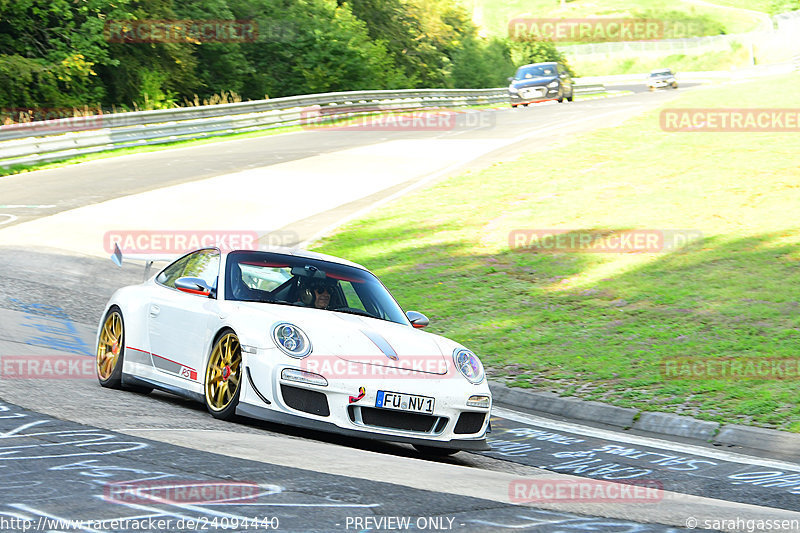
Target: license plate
x=531, y=93
x=404, y=402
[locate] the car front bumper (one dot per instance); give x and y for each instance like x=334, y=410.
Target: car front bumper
x=529, y=95
x=660, y=83
x=340, y=408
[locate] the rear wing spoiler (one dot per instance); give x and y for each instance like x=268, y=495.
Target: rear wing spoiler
x=148, y=260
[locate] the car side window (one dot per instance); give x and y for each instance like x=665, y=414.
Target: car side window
x=203, y=264
x=172, y=272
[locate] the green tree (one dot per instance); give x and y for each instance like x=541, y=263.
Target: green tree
x=312, y=46
x=529, y=49
x=149, y=75
x=49, y=50
x=479, y=63
x=220, y=66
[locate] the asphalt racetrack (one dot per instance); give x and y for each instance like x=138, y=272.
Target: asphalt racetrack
x=66, y=445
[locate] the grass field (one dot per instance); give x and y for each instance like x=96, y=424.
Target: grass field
x=599, y=325
x=494, y=16
x=592, y=66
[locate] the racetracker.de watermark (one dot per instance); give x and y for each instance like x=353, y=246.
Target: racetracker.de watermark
x=730, y=120
x=47, y=367
x=181, y=241
x=597, y=29
x=361, y=367
x=385, y=119
x=595, y=241
x=730, y=368
x=181, y=492
x=44, y=120
x=585, y=490
x=180, y=31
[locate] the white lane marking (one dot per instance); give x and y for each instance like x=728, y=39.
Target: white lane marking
x=11, y=218
x=642, y=441
x=26, y=206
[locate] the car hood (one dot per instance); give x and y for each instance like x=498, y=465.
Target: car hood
x=360, y=339
x=533, y=82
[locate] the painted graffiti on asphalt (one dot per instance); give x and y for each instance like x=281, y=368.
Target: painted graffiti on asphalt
x=44, y=460
x=568, y=454
x=54, y=327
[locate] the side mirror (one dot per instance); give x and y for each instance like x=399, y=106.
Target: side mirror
x=193, y=286
x=418, y=320
x=510, y=79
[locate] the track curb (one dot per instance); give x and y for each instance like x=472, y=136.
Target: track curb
x=780, y=442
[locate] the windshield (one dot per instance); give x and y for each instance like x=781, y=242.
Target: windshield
x=661, y=73
x=535, y=71
x=289, y=280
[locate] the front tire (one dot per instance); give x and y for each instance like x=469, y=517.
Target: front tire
x=111, y=349
x=223, y=382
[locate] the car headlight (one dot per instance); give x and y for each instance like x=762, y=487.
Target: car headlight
x=513, y=90
x=552, y=84
x=291, y=340
x=469, y=365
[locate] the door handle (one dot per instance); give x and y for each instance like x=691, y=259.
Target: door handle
x=154, y=310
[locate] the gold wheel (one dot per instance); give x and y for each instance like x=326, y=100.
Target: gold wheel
x=223, y=376
x=109, y=348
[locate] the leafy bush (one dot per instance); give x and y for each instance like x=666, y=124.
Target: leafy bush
x=59, y=54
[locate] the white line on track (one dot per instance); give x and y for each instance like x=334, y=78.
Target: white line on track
x=26, y=206
x=11, y=218
x=642, y=441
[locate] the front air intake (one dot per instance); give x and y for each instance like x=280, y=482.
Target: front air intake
x=469, y=423
x=307, y=401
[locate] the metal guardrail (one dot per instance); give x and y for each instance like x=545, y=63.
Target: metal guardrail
x=51, y=140
x=796, y=63
x=589, y=88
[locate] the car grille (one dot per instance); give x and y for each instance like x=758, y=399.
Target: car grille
x=469, y=423
x=388, y=419
x=308, y=401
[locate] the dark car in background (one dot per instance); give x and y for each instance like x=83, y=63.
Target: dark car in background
x=661, y=78
x=539, y=82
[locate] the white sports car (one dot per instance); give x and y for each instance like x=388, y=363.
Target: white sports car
x=297, y=338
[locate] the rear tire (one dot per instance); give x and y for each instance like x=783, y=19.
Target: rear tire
x=434, y=451
x=111, y=350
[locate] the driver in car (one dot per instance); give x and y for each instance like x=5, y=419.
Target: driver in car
x=317, y=294
x=322, y=295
